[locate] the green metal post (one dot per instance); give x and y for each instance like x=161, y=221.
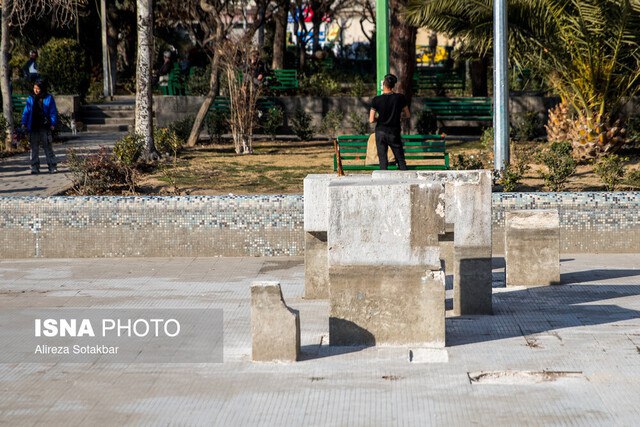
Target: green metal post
x=382, y=42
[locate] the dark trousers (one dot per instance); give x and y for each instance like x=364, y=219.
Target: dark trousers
x=42, y=138
x=384, y=140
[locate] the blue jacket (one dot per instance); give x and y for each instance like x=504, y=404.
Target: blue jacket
x=48, y=108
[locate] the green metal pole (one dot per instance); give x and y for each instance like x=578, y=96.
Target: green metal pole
x=382, y=42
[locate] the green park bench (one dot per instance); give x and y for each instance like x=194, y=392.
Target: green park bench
x=176, y=85
x=437, y=79
x=284, y=80
x=422, y=152
x=19, y=101
x=477, y=109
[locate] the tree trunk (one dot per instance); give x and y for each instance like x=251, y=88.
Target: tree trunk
x=7, y=107
x=112, y=43
x=402, y=48
x=280, y=35
x=208, y=100
x=144, y=98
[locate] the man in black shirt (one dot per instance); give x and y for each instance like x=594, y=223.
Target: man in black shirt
x=386, y=111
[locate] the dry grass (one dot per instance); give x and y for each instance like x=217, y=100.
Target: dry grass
x=279, y=168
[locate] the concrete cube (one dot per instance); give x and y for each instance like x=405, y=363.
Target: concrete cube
x=275, y=328
x=385, y=223
x=532, y=247
x=376, y=305
x=316, y=224
x=468, y=214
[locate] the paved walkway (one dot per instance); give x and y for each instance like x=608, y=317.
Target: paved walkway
x=16, y=178
x=562, y=355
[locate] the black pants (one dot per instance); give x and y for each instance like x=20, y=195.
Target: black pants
x=384, y=140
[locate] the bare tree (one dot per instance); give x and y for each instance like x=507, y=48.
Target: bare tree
x=144, y=88
x=17, y=13
x=280, y=17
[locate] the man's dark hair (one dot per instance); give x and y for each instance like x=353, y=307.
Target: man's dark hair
x=390, y=81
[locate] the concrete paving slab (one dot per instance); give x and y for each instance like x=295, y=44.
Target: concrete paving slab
x=15, y=174
x=568, y=354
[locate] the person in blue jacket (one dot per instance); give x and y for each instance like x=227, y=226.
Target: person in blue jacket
x=40, y=117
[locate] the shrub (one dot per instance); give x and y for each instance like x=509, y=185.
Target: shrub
x=471, y=162
x=358, y=88
x=427, y=123
x=526, y=126
x=331, y=122
x=610, y=169
x=128, y=149
x=301, y=124
x=182, y=127
x=273, y=120
x=96, y=173
x=319, y=84
x=513, y=173
x=199, y=80
x=217, y=125
x=63, y=63
x=95, y=93
x=358, y=123
x=167, y=142
x=560, y=164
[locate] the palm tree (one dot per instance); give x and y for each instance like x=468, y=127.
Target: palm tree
x=588, y=50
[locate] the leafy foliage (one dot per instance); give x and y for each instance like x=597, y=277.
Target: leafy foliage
x=358, y=123
x=463, y=162
x=199, y=80
x=273, y=120
x=610, y=169
x=167, y=142
x=182, y=127
x=217, y=124
x=331, y=122
x=427, y=123
x=526, y=126
x=64, y=64
x=96, y=173
x=128, y=149
x=319, y=84
x=560, y=164
x=301, y=124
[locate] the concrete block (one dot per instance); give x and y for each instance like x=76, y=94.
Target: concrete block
x=316, y=265
x=275, y=328
x=472, y=280
x=532, y=247
x=375, y=305
x=385, y=223
x=468, y=213
x=316, y=198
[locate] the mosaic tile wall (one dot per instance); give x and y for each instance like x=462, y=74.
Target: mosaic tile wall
x=58, y=227
x=589, y=222
x=69, y=227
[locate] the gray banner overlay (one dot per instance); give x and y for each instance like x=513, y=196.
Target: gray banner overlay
x=89, y=335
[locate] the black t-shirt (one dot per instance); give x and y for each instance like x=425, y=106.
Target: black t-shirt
x=38, y=120
x=389, y=107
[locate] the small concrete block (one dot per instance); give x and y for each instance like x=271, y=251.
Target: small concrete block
x=472, y=281
x=385, y=223
x=372, y=305
x=316, y=198
x=532, y=247
x=275, y=328
x=316, y=265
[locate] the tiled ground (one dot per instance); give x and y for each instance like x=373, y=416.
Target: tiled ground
x=585, y=334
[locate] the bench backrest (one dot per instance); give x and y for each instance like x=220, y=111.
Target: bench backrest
x=284, y=79
x=421, y=152
x=437, y=79
x=472, y=108
x=19, y=101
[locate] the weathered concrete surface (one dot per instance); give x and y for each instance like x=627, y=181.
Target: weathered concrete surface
x=373, y=305
x=468, y=213
x=472, y=277
x=316, y=265
x=532, y=247
x=275, y=328
x=316, y=224
x=385, y=223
